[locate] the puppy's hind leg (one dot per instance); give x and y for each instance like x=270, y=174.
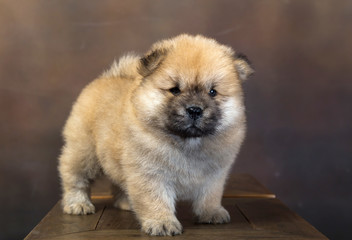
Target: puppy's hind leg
x=76, y=167
x=121, y=200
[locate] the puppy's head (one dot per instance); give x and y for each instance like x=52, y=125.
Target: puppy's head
x=191, y=87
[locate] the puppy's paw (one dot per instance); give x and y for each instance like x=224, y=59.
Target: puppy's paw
x=122, y=203
x=81, y=208
x=215, y=217
x=162, y=228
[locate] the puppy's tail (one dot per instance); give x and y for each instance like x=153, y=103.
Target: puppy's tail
x=126, y=67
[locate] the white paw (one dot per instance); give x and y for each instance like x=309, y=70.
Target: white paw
x=123, y=203
x=215, y=217
x=82, y=208
x=162, y=228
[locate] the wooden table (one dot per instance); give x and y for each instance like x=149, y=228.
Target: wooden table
x=255, y=214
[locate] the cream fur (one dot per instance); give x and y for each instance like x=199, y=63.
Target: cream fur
x=115, y=128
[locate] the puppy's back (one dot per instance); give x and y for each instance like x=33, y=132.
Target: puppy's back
x=102, y=97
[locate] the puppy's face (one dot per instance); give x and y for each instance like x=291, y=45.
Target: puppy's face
x=191, y=87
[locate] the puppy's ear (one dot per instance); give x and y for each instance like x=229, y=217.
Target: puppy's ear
x=150, y=62
x=243, y=66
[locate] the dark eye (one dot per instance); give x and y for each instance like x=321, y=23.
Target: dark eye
x=212, y=92
x=175, y=91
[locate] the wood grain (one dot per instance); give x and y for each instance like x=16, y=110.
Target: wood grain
x=272, y=215
x=58, y=223
x=245, y=186
x=114, y=218
x=255, y=214
x=194, y=234
x=119, y=219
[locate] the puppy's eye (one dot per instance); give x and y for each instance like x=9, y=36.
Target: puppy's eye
x=175, y=91
x=212, y=92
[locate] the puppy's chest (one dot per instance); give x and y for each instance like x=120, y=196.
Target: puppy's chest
x=190, y=170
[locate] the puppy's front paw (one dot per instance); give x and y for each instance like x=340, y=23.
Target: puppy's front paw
x=162, y=228
x=215, y=217
x=81, y=208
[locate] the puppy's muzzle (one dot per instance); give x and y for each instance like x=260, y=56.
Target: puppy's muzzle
x=194, y=112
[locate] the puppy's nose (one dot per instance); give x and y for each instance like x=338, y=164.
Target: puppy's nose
x=194, y=112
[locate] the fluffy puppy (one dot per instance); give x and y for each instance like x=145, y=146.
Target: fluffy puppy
x=163, y=127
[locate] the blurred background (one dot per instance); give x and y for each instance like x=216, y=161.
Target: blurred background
x=298, y=102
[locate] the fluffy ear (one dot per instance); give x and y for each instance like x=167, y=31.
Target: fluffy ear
x=243, y=66
x=150, y=62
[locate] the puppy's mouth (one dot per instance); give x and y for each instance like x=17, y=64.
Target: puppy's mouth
x=191, y=130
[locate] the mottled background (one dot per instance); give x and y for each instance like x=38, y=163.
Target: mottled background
x=298, y=103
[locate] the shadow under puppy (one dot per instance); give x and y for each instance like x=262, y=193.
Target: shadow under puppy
x=163, y=127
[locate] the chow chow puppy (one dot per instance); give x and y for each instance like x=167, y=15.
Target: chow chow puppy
x=163, y=127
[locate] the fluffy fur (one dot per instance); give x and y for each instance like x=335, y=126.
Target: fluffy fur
x=163, y=127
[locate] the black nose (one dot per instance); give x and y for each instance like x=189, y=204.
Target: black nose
x=194, y=112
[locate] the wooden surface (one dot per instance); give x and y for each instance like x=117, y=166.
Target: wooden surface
x=255, y=214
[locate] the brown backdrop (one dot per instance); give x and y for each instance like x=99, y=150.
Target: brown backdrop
x=298, y=102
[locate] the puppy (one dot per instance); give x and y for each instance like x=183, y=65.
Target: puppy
x=163, y=127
